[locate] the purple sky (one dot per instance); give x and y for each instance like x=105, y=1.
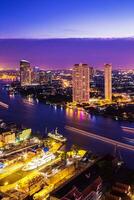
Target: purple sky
x=63, y=53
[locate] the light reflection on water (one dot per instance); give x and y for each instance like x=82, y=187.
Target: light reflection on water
x=38, y=116
x=76, y=114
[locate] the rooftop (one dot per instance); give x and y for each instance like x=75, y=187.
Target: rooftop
x=81, y=181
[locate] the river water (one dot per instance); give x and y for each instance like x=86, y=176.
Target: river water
x=39, y=116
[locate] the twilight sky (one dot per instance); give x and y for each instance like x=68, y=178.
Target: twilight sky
x=46, y=19
x=63, y=53
x=66, y=18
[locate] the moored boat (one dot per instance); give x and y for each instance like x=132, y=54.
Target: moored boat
x=57, y=136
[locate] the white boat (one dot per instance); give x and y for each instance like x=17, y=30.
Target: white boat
x=37, y=162
x=57, y=136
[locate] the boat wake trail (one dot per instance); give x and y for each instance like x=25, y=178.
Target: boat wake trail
x=101, y=138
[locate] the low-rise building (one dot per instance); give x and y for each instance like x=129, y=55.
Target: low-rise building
x=8, y=137
x=25, y=134
x=85, y=186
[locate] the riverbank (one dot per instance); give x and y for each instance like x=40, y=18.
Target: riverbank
x=118, y=112
x=56, y=95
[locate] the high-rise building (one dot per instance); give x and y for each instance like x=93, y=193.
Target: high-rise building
x=48, y=77
x=35, y=75
x=108, y=81
x=25, y=73
x=45, y=77
x=80, y=78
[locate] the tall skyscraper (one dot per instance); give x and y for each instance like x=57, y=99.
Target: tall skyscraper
x=80, y=78
x=25, y=73
x=35, y=75
x=108, y=81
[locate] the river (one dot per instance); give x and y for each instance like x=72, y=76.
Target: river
x=39, y=116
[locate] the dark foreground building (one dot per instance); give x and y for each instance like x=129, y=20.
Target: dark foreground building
x=85, y=186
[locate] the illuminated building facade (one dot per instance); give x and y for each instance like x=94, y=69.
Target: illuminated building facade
x=45, y=77
x=35, y=75
x=108, y=81
x=48, y=77
x=25, y=134
x=25, y=73
x=8, y=137
x=80, y=77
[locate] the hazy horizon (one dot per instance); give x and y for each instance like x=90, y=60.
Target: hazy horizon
x=64, y=52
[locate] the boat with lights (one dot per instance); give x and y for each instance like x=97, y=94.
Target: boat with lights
x=37, y=162
x=57, y=136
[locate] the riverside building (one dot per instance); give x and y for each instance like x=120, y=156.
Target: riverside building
x=80, y=81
